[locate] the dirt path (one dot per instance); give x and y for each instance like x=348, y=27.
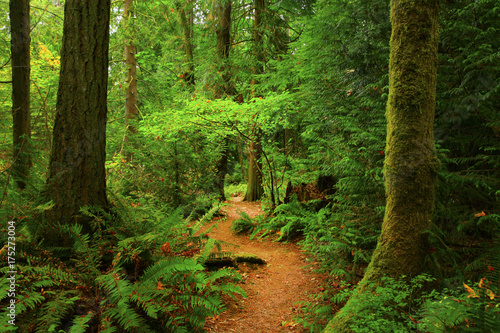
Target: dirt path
x=273, y=290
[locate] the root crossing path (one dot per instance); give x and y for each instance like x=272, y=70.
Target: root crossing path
x=274, y=290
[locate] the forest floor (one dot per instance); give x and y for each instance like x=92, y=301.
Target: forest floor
x=274, y=290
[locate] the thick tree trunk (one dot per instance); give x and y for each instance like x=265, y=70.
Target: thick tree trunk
x=20, y=48
x=254, y=187
x=131, y=111
x=76, y=169
x=410, y=165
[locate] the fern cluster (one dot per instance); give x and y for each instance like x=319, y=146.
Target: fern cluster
x=113, y=282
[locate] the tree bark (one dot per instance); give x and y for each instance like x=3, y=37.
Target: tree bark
x=131, y=111
x=20, y=48
x=258, y=67
x=254, y=187
x=188, y=46
x=76, y=168
x=223, y=33
x=410, y=165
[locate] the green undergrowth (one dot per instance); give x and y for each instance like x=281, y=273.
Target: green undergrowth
x=141, y=269
x=434, y=302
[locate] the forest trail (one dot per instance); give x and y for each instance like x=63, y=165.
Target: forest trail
x=273, y=289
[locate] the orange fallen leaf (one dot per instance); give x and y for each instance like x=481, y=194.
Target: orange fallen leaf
x=480, y=214
x=160, y=286
x=471, y=291
x=165, y=248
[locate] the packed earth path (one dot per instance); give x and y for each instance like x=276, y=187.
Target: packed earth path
x=275, y=290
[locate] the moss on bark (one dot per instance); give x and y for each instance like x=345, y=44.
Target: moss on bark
x=410, y=164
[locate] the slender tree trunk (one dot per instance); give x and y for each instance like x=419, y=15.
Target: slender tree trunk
x=20, y=48
x=241, y=158
x=254, y=187
x=131, y=111
x=76, y=171
x=258, y=67
x=223, y=32
x=221, y=169
x=188, y=47
x=410, y=165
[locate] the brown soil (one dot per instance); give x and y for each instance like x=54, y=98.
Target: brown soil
x=274, y=290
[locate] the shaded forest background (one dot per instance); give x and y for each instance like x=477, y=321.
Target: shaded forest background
x=289, y=98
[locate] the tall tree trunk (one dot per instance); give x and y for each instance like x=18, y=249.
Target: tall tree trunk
x=188, y=46
x=76, y=171
x=20, y=48
x=131, y=111
x=410, y=165
x=258, y=67
x=223, y=32
x=254, y=187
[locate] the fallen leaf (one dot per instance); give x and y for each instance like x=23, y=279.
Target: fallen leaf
x=471, y=291
x=165, y=248
x=480, y=214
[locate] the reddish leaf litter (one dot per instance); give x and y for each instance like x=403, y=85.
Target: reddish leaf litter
x=274, y=290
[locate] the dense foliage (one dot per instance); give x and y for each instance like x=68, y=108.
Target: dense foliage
x=319, y=103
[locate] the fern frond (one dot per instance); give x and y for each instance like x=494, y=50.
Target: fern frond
x=80, y=323
x=55, y=310
x=119, y=308
x=166, y=267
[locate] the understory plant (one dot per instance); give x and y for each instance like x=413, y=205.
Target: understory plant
x=113, y=282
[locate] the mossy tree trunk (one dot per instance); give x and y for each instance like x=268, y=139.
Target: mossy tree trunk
x=254, y=187
x=410, y=164
x=187, y=30
x=224, y=88
x=258, y=67
x=76, y=168
x=20, y=48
